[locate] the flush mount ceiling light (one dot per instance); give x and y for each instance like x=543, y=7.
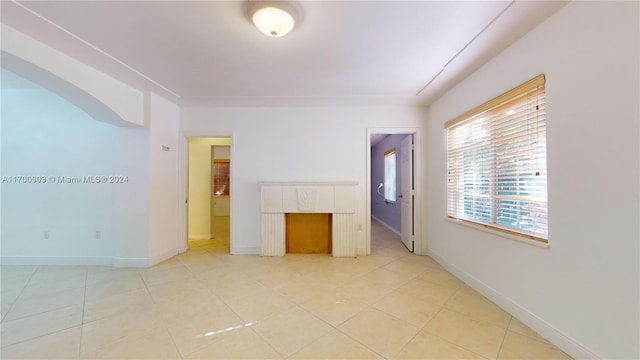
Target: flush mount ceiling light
x=274, y=18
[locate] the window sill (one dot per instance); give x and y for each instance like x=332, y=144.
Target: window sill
x=500, y=233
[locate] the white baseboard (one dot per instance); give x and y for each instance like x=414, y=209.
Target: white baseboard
x=57, y=260
x=387, y=226
x=130, y=262
x=555, y=336
x=75, y=261
x=241, y=250
x=156, y=259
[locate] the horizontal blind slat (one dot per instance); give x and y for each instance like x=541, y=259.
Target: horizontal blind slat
x=496, y=162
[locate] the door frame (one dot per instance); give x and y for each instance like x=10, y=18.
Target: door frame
x=409, y=190
x=183, y=184
x=417, y=171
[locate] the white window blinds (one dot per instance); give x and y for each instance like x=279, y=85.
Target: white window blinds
x=497, y=163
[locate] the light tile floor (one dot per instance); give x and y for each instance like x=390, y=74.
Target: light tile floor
x=206, y=304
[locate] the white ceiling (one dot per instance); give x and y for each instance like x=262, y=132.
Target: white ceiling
x=340, y=53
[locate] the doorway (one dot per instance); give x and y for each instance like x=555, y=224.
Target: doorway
x=220, y=185
x=208, y=193
x=393, y=184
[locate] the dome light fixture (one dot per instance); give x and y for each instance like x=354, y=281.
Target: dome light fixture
x=273, y=18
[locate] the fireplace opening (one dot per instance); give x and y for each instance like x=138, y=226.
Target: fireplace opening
x=308, y=233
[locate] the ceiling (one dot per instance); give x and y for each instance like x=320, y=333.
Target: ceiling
x=341, y=53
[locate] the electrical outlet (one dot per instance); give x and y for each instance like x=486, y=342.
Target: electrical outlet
x=45, y=234
x=359, y=227
x=98, y=234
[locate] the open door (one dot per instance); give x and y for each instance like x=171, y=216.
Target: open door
x=407, y=195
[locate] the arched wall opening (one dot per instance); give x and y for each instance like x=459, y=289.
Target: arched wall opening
x=63, y=88
x=76, y=188
x=133, y=218
x=58, y=194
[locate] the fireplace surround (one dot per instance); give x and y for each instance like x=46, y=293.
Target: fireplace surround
x=337, y=198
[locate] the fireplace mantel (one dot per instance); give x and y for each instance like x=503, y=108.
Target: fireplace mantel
x=282, y=197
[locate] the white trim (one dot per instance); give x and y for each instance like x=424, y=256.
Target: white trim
x=103, y=97
x=417, y=170
x=183, y=249
x=75, y=261
x=154, y=260
x=546, y=330
x=99, y=50
x=57, y=260
x=500, y=233
x=387, y=225
x=131, y=262
x=245, y=250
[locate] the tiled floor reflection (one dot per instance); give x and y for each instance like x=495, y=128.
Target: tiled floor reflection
x=207, y=304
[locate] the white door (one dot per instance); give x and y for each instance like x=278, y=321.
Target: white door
x=406, y=196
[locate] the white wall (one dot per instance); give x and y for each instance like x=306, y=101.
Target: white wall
x=163, y=173
x=45, y=135
x=42, y=135
x=131, y=213
x=303, y=144
x=582, y=292
x=199, y=224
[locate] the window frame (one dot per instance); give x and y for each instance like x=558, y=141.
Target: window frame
x=221, y=177
x=458, y=175
x=387, y=186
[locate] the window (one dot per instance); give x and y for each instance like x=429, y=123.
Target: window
x=497, y=163
x=390, y=175
x=221, y=177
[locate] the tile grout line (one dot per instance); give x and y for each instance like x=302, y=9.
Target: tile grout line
x=50, y=333
x=153, y=300
x=447, y=340
x=419, y=331
x=195, y=275
x=443, y=307
x=84, y=302
x=356, y=340
x=504, y=337
x=19, y=294
x=266, y=342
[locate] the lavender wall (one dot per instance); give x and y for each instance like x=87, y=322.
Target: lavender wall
x=387, y=213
